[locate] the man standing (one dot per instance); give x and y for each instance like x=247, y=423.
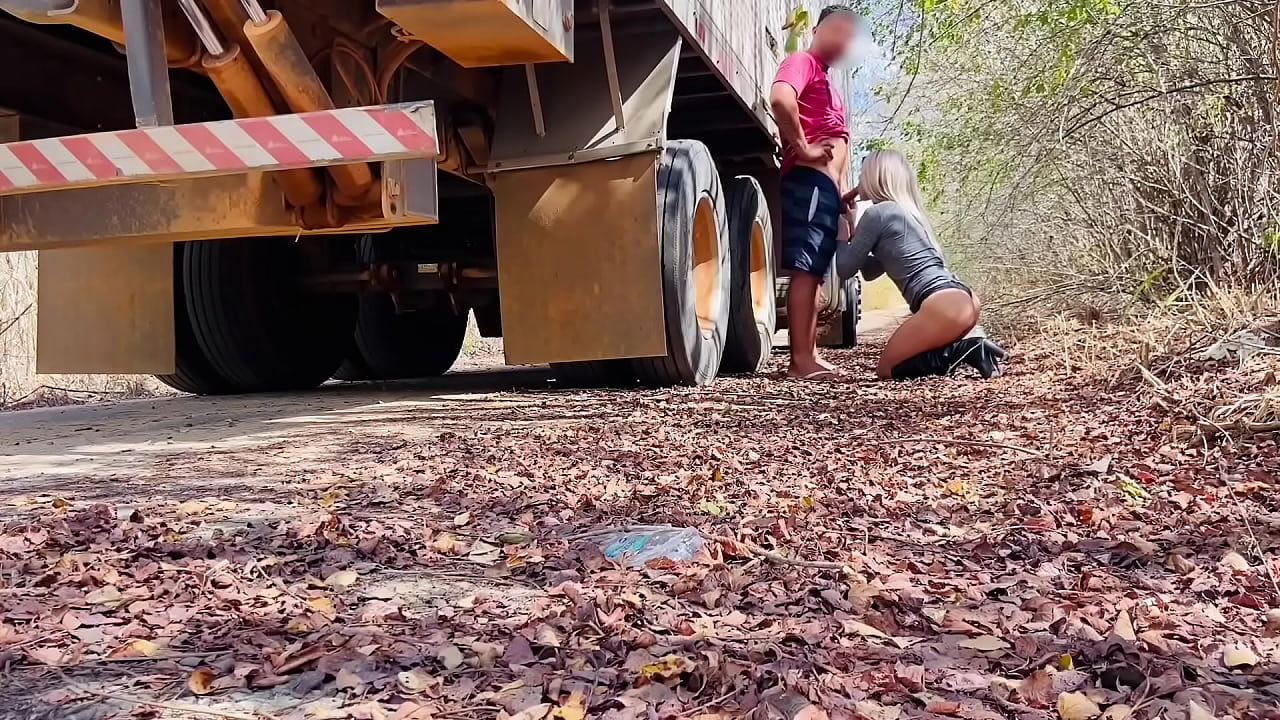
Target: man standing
x=815, y=164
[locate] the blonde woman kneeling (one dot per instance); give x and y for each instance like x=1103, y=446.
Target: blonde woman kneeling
x=894, y=237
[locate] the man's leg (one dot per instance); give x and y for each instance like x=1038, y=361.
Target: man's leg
x=810, y=215
x=817, y=303
x=802, y=319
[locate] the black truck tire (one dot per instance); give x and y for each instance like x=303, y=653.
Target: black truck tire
x=397, y=346
x=354, y=368
x=418, y=344
x=253, y=322
x=852, y=313
x=694, y=239
x=193, y=372
x=753, y=302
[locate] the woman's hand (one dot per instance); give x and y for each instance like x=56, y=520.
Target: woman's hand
x=850, y=198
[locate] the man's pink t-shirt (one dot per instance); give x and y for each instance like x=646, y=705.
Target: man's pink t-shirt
x=821, y=110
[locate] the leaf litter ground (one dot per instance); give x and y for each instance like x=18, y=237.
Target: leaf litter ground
x=1032, y=547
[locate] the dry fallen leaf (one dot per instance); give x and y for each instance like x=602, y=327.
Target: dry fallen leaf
x=875, y=711
x=200, y=681
x=449, y=656
x=342, y=579
x=416, y=681
x=323, y=606
x=1236, y=562
x=1196, y=711
x=537, y=712
x=1124, y=627
x=412, y=710
x=794, y=706
x=136, y=649
x=368, y=711
x=1076, y=706
x=863, y=629
x=1118, y=712
x=484, y=553
x=575, y=708
x=1100, y=466
x=328, y=709
x=360, y=605
x=108, y=595
x=667, y=668
x=985, y=643
x=47, y=656
x=192, y=507
x=348, y=679
x=1236, y=656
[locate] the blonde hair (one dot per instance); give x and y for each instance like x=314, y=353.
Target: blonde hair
x=886, y=175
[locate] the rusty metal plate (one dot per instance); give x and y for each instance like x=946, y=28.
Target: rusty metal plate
x=488, y=33
x=106, y=310
x=578, y=118
x=579, y=265
x=232, y=206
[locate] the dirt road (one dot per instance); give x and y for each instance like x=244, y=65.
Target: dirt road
x=188, y=447
x=942, y=548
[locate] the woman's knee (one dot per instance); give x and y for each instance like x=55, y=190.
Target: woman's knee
x=884, y=371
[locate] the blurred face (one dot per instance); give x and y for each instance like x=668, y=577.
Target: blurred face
x=833, y=37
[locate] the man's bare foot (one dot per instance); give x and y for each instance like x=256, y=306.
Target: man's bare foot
x=822, y=363
x=811, y=369
x=815, y=376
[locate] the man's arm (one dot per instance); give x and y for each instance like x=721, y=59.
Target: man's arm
x=784, y=98
x=785, y=102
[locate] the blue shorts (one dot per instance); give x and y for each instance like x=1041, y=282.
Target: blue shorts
x=810, y=220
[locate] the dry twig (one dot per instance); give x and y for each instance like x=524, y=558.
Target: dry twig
x=955, y=441
x=780, y=559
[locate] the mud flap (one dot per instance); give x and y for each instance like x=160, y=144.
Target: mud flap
x=579, y=263
x=576, y=202
x=106, y=310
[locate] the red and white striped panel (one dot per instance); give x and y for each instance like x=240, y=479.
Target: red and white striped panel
x=280, y=142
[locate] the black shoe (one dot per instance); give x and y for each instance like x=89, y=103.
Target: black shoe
x=982, y=355
x=941, y=361
x=974, y=350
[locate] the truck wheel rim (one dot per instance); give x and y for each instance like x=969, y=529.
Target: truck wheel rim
x=706, y=265
x=761, y=288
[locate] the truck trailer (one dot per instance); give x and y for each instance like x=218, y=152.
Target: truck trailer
x=251, y=196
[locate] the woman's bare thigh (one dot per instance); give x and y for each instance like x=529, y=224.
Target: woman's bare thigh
x=943, y=318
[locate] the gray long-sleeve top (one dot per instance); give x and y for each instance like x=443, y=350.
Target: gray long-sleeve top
x=889, y=241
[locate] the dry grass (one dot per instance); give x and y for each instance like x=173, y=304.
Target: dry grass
x=17, y=324
x=1211, y=359
x=20, y=386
